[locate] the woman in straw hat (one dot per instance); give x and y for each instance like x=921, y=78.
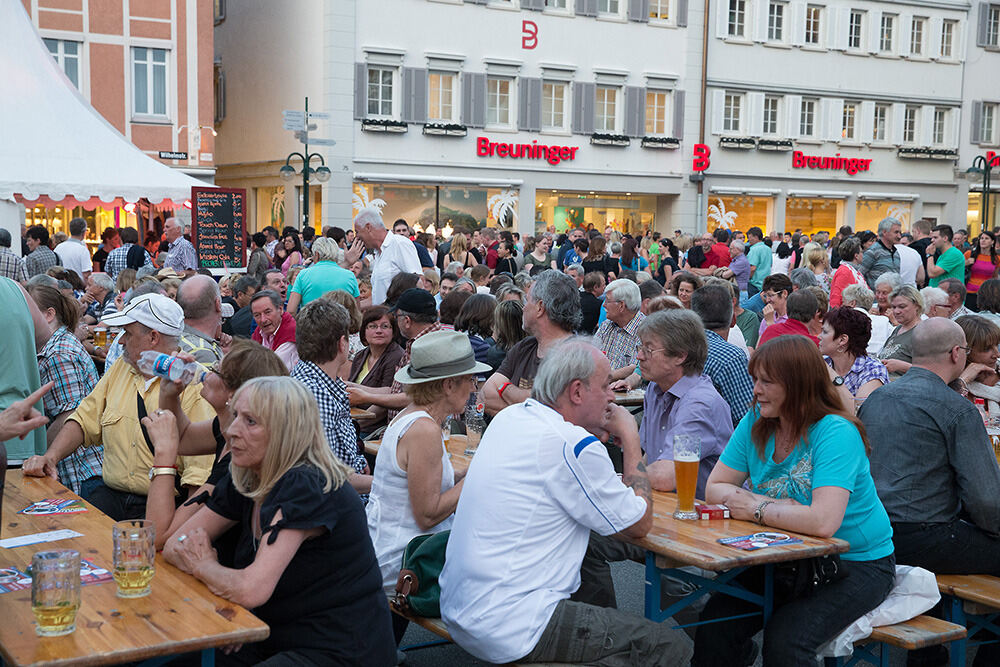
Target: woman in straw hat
x=414, y=490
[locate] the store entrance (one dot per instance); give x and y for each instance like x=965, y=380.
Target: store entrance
x=625, y=212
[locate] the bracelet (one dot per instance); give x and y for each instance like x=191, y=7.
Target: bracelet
x=758, y=514
x=502, y=388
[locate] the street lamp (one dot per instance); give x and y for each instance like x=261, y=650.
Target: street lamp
x=322, y=174
x=982, y=164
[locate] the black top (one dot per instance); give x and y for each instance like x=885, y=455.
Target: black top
x=604, y=265
x=240, y=323
x=101, y=256
x=330, y=597
x=506, y=264
x=590, y=306
x=225, y=544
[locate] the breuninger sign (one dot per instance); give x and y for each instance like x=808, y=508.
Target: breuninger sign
x=533, y=151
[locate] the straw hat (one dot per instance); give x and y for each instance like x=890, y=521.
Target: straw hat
x=440, y=355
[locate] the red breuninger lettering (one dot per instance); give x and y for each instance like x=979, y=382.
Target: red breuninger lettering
x=482, y=146
x=529, y=32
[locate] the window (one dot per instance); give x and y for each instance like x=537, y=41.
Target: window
x=938, y=129
x=885, y=34
x=441, y=104
x=659, y=10
x=807, y=118
x=917, y=36
x=993, y=26
x=67, y=54
x=855, y=30
x=776, y=22
x=149, y=81
x=606, y=119
x=813, y=15
x=553, y=106
x=609, y=7
x=656, y=112
x=737, y=18
x=219, y=81
x=771, y=106
x=498, y=102
x=987, y=123
x=948, y=39
x=219, y=11
x=880, y=130
x=380, y=84
x=731, y=112
x=911, y=118
x=555, y=4
x=849, y=126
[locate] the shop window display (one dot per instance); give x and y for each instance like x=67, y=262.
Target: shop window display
x=739, y=212
x=870, y=212
x=813, y=215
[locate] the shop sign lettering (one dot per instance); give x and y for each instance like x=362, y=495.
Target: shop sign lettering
x=701, y=154
x=992, y=159
x=529, y=35
x=533, y=151
x=849, y=164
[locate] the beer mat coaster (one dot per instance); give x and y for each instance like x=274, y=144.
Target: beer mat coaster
x=759, y=541
x=54, y=506
x=13, y=579
x=38, y=538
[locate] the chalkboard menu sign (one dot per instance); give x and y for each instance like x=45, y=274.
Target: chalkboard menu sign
x=217, y=227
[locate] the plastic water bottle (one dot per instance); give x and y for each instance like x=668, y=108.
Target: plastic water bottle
x=981, y=406
x=169, y=367
x=475, y=424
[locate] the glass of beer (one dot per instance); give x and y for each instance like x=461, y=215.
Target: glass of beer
x=55, y=591
x=134, y=557
x=687, y=456
x=100, y=337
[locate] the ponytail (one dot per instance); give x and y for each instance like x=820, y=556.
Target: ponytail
x=67, y=310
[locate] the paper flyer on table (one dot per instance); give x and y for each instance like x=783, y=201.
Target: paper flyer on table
x=54, y=506
x=759, y=541
x=38, y=538
x=13, y=579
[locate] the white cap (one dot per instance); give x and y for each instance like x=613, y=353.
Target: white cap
x=156, y=311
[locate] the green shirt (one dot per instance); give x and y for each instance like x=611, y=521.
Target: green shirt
x=19, y=372
x=759, y=255
x=953, y=262
x=322, y=277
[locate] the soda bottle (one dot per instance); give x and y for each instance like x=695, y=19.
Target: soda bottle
x=169, y=367
x=475, y=423
x=981, y=406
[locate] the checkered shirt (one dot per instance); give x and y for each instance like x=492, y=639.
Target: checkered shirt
x=118, y=260
x=621, y=345
x=40, y=260
x=65, y=361
x=864, y=369
x=181, y=256
x=334, y=412
x=12, y=266
x=726, y=364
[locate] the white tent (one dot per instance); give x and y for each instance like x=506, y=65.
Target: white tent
x=54, y=146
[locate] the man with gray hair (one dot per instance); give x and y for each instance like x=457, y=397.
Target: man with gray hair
x=11, y=266
x=98, y=298
x=551, y=314
x=73, y=253
x=201, y=300
x=617, y=335
x=576, y=272
x=802, y=278
x=955, y=289
x=859, y=297
x=726, y=364
x=882, y=256
x=181, y=255
x=391, y=253
x=539, y=486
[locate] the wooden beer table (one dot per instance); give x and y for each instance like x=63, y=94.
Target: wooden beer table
x=180, y=615
x=456, y=450
x=630, y=398
x=673, y=544
x=360, y=413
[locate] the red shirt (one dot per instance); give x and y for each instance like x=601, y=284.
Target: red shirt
x=789, y=327
x=491, y=255
x=718, y=255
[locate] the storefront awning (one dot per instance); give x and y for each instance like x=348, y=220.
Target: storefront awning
x=891, y=196
x=54, y=145
x=820, y=194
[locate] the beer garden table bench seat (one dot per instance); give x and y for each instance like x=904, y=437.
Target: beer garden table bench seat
x=972, y=601
x=918, y=632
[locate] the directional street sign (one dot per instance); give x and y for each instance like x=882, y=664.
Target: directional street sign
x=288, y=114
x=323, y=142
x=321, y=115
x=293, y=120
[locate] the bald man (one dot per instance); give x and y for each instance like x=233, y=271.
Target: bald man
x=201, y=300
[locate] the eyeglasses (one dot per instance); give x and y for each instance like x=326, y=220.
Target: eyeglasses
x=648, y=352
x=967, y=348
x=214, y=368
x=372, y=326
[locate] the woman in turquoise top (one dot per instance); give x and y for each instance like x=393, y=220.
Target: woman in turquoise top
x=805, y=462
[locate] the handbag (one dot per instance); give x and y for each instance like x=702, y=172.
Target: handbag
x=804, y=577
x=417, y=589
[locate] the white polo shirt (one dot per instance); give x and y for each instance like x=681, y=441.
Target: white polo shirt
x=74, y=255
x=536, y=488
x=397, y=254
x=909, y=264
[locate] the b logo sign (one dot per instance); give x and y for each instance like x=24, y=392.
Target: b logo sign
x=529, y=35
x=992, y=159
x=701, y=154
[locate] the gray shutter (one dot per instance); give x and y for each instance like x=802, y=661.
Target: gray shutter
x=476, y=2
x=635, y=111
x=529, y=93
x=586, y=7
x=474, y=99
x=679, y=114
x=414, y=102
x=584, y=96
x=682, y=13
x=638, y=11
x=534, y=5
x=982, y=32
x=976, y=124
x=360, y=91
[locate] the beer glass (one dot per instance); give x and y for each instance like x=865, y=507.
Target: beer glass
x=687, y=456
x=100, y=337
x=55, y=591
x=134, y=557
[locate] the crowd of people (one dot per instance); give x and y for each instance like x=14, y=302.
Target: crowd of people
x=832, y=384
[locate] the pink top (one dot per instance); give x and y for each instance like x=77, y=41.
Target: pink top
x=293, y=259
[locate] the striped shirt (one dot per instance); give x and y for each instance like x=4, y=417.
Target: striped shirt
x=12, y=266
x=620, y=344
x=181, y=256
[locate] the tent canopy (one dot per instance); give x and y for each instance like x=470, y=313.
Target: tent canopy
x=54, y=146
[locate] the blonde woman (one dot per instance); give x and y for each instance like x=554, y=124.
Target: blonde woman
x=322, y=276
x=459, y=252
x=818, y=262
x=304, y=562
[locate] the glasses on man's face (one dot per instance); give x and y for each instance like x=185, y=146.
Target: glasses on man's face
x=214, y=368
x=647, y=351
x=967, y=348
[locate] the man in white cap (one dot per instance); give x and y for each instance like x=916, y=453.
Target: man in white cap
x=111, y=415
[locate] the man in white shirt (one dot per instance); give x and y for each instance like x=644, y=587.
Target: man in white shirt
x=541, y=481
x=911, y=266
x=392, y=253
x=73, y=253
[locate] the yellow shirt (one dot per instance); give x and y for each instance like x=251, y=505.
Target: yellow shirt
x=109, y=415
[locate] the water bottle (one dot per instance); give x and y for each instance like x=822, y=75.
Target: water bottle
x=475, y=424
x=981, y=406
x=169, y=367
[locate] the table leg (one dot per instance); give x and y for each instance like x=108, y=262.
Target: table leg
x=208, y=657
x=720, y=584
x=768, y=592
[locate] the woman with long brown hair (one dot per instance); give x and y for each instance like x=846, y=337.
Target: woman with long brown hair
x=804, y=459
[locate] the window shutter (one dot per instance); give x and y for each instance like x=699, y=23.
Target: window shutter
x=866, y=122
x=635, y=111
x=586, y=7
x=584, y=95
x=834, y=119
x=797, y=23
x=896, y=124
x=953, y=127
x=982, y=32
x=638, y=11
x=360, y=91
x=874, y=30
x=678, y=118
x=976, y=122
x=840, y=30
x=529, y=92
x=718, y=110
x=474, y=99
x=533, y=5
x=722, y=18
x=414, y=107
x=793, y=111
x=476, y=2
x=754, y=126
x=682, y=13
x=925, y=132
x=760, y=11
x=904, y=26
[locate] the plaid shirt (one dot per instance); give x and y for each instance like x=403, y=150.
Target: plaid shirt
x=65, y=361
x=181, y=256
x=621, y=345
x=397, y=388
x=864, y=369
x=334, y=412
x=40, y=260
x=726, y=364
x=118, y=260
x=12, y=266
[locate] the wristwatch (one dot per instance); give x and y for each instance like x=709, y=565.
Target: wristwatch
x=165, y=470
x=758, y=514
x=838, y=381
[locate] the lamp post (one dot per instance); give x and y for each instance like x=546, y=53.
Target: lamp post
x=322, y=174
x=982, y=164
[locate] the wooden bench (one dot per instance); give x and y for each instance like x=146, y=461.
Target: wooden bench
x=972, y=601
x=919, y=632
